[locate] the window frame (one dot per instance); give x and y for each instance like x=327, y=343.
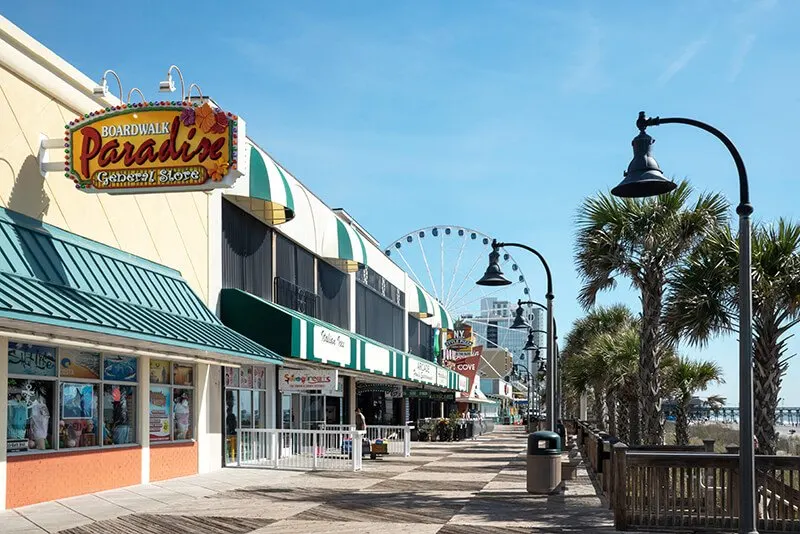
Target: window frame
x=57, y=380
x=172, y=386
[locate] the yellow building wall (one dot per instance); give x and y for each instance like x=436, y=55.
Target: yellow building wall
x=171, y=229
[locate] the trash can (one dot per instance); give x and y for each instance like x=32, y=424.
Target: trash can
x=544, y=462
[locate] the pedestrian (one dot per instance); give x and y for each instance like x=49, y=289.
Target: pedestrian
x=361, y=422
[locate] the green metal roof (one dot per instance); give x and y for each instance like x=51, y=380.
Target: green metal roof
x=54, y=277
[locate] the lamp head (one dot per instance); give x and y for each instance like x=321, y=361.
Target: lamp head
x=168, y=85
x=102, y=89
x=494, y=274
x=643, y=177
x=519, y=319
x=530, y=345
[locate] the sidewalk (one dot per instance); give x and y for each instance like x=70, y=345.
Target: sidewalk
x=446, y=488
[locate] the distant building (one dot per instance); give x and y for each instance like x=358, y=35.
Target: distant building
x=492, y=326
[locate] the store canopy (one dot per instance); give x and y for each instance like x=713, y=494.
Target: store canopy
x=342, y=245
x=61, y=281
x=446, y=320
x=292, y=334
x=418, y=303
x=264, y=191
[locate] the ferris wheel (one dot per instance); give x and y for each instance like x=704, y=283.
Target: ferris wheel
x=447, y=260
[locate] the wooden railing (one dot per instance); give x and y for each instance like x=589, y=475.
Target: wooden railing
x=679, y=488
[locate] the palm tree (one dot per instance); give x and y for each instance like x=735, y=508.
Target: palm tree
x=685, y=378
x=619, y=354
x=643, y=240
x=704, y=302
x=585, y=366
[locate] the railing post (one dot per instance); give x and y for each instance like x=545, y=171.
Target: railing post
x=620, y=480
x=314, y=448
x=273, y=447
x=708, y=445
x=406, y=441
x=238, y=447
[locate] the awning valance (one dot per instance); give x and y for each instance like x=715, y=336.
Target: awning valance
x=265, y=191
x=294, y=335
x=66, y=283
x=342, y=245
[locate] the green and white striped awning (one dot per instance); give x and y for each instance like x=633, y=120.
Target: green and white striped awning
x=446, y=322
x=296, y=336
x=419, y=304
x=265, y=190
x=342, y=245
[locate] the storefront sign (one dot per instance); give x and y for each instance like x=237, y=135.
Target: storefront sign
x=159, y=146
x=330, y=346
x=460, y=339
x=431, y=395
x=395, y=391
x=296, y=380
x=421, y=371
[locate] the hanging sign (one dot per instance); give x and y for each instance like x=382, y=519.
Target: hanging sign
x=460, y=339
x=295, y=380
x=153, y=147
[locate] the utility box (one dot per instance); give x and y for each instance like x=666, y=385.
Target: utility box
x=544, y=463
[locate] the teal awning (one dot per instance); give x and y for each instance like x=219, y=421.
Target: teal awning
x=293, y=335
x=264, y=191
x=52, y=277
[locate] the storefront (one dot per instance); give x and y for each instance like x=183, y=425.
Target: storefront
x=382, y=403
x=369, y=375
x=111, y=363
x=310, y=398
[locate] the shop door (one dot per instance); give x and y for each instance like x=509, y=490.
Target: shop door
x=313, y=412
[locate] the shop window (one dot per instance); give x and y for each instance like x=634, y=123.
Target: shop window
x=171, y=401
x=54, y=398
x=119, y=414
x=78, y=426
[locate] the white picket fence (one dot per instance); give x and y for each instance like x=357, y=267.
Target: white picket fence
x=329, y=449
x=397, y=437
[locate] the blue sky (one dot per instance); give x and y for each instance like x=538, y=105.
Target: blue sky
x=498, y=115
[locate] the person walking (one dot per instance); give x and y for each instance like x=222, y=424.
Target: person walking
x=361, y=422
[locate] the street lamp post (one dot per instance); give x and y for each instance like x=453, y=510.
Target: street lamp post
x=644, y=179
x=494, y=277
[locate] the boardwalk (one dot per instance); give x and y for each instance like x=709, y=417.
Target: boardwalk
x=448, y=488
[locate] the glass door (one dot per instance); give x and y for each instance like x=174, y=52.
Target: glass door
x=231, y=424
x=313, y=411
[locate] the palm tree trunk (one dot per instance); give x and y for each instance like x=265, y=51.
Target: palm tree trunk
x=623, y=417
x=598, y=408
x=768, y=370
x=611, y=411
x=682, y=423
x=652, y=293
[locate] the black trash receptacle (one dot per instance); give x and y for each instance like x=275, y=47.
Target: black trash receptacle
x=544, y=462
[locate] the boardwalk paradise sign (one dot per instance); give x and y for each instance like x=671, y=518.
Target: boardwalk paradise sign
x=154, y=147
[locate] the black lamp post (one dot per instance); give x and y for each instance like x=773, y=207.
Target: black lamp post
x=494, y=277
x=644, y=179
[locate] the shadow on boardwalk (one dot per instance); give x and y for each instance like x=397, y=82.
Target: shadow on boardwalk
x=448, y=488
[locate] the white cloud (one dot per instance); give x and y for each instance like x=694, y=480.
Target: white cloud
x=687, y=55
x=738, y=59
